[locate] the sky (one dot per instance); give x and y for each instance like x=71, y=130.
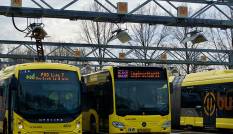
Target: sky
x=61, y=30
x=58, y=29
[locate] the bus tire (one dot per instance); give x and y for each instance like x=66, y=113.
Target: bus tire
x=5, y=127
x=93, y=125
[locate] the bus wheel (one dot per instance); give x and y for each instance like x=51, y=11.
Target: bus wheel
x=93, y=127
x=189, y=127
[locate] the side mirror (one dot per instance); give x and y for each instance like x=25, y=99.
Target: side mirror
x=84, y=88
x=171, y=87
x=14, y=83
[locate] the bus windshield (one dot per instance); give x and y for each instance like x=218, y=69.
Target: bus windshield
x=141, y=97
x=49, y=91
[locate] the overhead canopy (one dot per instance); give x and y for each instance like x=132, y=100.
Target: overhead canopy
x=113, y=17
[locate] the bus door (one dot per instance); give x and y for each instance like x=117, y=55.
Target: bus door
x=209, y=108
x=103, y=107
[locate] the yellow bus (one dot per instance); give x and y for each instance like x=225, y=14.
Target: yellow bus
x=40, y=98
x=203, y=100
x=127, y=100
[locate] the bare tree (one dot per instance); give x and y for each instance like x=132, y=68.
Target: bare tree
x=20, y=51
x=148, y=35
x=178, y=34
x=67, y=51
x=220, y=39
x=91, y=32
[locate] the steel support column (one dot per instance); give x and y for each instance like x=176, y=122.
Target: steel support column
x=231, y=61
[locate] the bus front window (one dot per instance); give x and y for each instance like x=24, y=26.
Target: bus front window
x=50, y=96
x=47, y=97
x=137, y=97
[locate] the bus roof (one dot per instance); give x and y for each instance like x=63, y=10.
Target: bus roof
x=7, y=72
x=210, y=77
x=171, y=78
x=44, y=65
x=135, y=66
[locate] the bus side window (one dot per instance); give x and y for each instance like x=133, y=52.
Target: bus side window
x=109, y=97
x=228, y=113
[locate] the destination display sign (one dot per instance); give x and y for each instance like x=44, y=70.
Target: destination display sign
x=140, y=73
x=47, y=75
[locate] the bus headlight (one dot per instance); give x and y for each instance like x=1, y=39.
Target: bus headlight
x=166, y=124
x=20, y=126
x=78, y=124
x=118, y=124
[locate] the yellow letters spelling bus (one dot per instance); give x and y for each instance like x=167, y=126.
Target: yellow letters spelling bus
x=224, y=102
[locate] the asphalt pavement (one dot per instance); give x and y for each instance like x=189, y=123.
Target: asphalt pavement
x=203, y=131
x=179, y=131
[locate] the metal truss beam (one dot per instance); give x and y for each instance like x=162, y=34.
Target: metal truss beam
x=230, y=2
x=78, y=65
x=113, y=17
x=113, y=46
x=175, y=55
x=30, y=57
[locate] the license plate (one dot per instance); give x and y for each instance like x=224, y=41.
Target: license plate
x=143, y=130
x=51, y=133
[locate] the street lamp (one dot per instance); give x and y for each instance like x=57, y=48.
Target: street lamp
x=121, y=35
x=194, y=37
